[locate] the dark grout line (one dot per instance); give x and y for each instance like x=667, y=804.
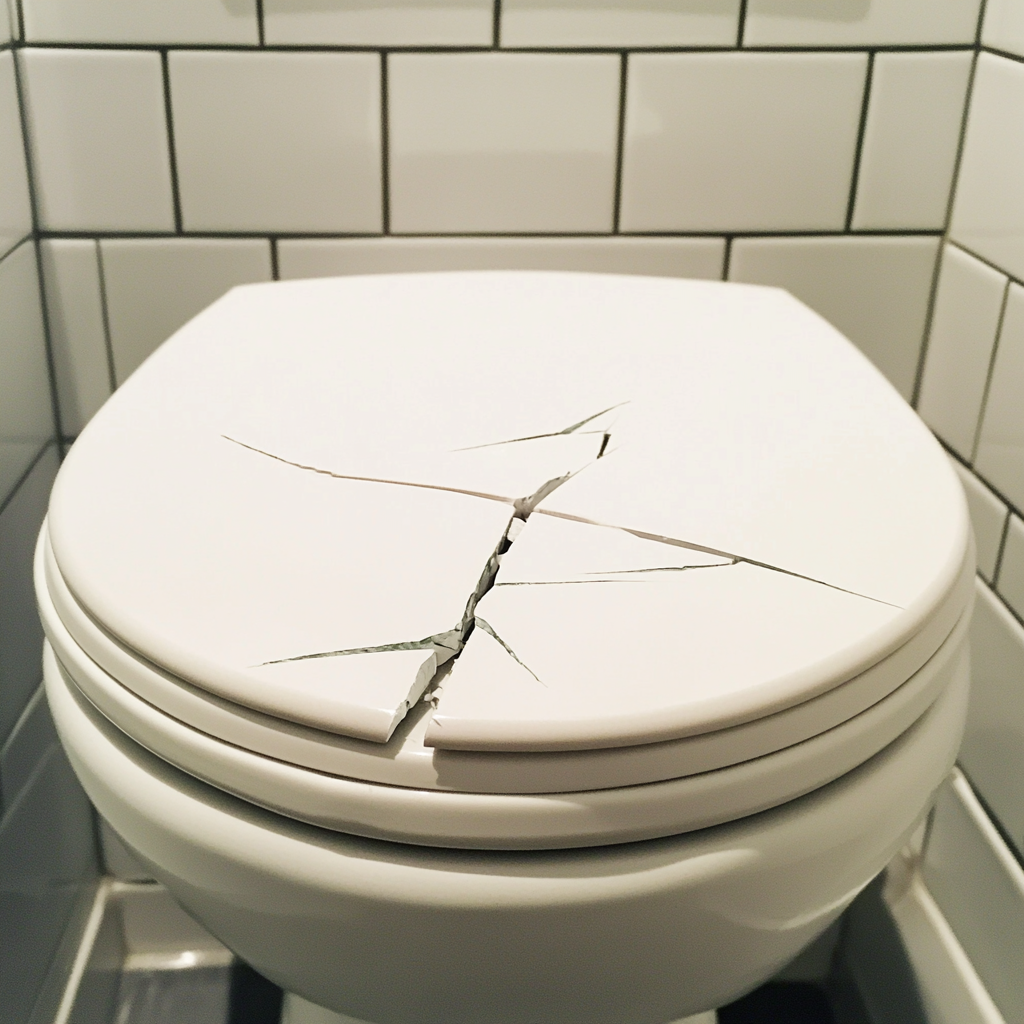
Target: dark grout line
x=929, y=314
x=727, y=258
x=21, y=241
x=997, y=568
x=171, y=150
x=105, y=316
x=990, y=372
x=620, y=144
x=260, y=27
x=981, y=21
x=1007, y=839
x=982, y=259
x=274, y=264
x=385, y=149
x=741, y=24
x=859, y=148
x=496, y=28
x=1005, y=54
x=954, y=454
x=6, y=499
x=20, y=19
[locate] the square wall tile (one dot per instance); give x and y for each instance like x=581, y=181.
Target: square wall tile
x=155, y=285
x=15, y=208
x=277, y=141
x=910, y=139
x=30, y=741
x=656, y=257
x=993, y=749
x=386, y=23
x=513, y=142
x=98, y=132
x=1000, y=456
x=988, y=520
x=860, y=22
x=26, y=406
x=78, y=336
x=988, y=213
x=619, y=22
x=740, y=141
x=965, y=320
x=1003, y=28
x=1011, y=567
x=140, y=21
x=979, y=888
x=874, y=290
x=21, y=636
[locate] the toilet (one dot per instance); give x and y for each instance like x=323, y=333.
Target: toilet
x=509, y=647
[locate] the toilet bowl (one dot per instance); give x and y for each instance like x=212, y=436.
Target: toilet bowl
x=524, y=648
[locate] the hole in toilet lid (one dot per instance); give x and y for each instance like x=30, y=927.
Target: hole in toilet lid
x=569, y=511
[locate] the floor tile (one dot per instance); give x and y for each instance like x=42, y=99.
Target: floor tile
x=29, y=742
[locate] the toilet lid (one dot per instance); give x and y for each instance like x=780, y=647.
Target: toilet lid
x=614, y=511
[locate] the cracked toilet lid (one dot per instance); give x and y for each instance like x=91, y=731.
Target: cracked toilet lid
x=572, y=512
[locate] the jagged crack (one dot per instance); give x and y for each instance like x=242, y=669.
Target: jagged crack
x=573, y=428
x=491, y=632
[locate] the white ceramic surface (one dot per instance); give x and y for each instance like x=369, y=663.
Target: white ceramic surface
x=277, y=141
x=1011, y=567
x=388, y=23
x=153, y=286
x=846, y=23
x=988, y=520
x=1003, y=27
x=619, y=23
x=139, y=21
x=988, y=214
x=656, y=257
x=968, y=307
x=15, y=211
x=99, y=139
x=502, y=142
x=874, y=290
x=911, y=138
x=78, y=336
x=740, y=141
x=1000, y=453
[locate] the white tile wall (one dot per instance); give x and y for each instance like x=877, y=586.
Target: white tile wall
x=911, y=138
x=619, y=23
x=988, y=519
x=384, y=23
x=988, y=214
x=15, y=210
x=277, y=141
x=153, y=286
x=78, y=337
x=502, y=142
x=979, y=888
x=140, y=21
x=99, y=140
x=968, y=305
x=874, y=290
x=859, y=22
x=1003, y=28
x=1011, y=567
x=659, y=257
x=740, y=141
x=1000, y=456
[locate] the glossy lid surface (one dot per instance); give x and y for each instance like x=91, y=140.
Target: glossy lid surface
x=314, y=495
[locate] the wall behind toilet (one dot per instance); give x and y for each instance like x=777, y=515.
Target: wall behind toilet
x=178, y=149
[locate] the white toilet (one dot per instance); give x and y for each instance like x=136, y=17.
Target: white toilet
x=509, y=648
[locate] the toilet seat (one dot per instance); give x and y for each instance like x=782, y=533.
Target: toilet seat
x=229, y=447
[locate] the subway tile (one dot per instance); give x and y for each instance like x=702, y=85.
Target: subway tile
x=15, y=209
x=619, y=23
x=740, y=141
x=278, y=141
x=47, y=864
x=140, y=21
x=26, y=410
x=988, y=518
x=30, y=741
x=21, y=636
x=988, y=213
x=656, y=257
x=1000, y=455
x=1003, y=28
x=860, y=22
x=153, y=286
x=910, y=139
x=99, y=140
x=874, y=290
x=388, y=23
x=515, y=142
x=993, y=749
x=979, y=888
x=78, y=338
x=963, y=334
x=1011, y=568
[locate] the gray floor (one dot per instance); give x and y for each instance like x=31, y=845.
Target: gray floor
x=195, y=996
